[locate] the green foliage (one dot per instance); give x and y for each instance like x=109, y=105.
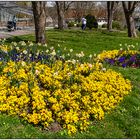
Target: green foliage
x=71, y=24
x=91, y=22
x=139, y=28
x=104, y=25
x=79, y=24
x=116, y=25
x=74, y=24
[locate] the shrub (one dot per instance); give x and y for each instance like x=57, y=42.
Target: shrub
x=71, y=24
x=116, y=25
x=104, y=25
x=91, y=22
x=139, y=28
x=79, y=24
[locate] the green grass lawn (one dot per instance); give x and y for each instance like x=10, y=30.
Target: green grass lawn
x=123, y=122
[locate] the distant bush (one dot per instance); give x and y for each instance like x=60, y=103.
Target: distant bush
x=116, y=25
x=139, y=28
x=79, y=24
x=91, y=22
x=71, y=24
x=104, y=25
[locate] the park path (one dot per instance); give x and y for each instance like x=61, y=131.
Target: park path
x=6, y=34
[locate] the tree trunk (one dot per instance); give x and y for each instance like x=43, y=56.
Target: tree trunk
x=110, y=5
x=60, y=13
x=130, y=25
x=39, y=11
x=128, y=11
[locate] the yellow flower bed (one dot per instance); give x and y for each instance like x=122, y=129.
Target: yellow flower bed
x=114, y=53
x=70, y=94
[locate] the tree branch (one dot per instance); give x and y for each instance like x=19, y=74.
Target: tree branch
x=112, y=5
x=68, y=5
x=135, y=3
x=129, y=5
x=124, y=6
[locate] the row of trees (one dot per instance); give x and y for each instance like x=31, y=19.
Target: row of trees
x=39, y=11
x=128, y=8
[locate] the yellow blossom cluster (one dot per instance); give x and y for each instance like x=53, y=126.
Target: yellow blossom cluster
x=114, y=53
x=5, y=48
x=67, y=93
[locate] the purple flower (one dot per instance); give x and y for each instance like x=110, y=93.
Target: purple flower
x=132, y=58
x=121, y=59
x=124, y=65
x=111, y=61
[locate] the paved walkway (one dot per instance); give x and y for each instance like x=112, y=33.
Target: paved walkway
x=6, y=34
x=30, y=30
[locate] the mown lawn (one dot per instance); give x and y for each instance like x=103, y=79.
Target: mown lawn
x=123, y=122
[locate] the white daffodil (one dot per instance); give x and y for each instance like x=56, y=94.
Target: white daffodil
x=47, y=51
x=71, y=50
x=17, y=48
x=24, y=52
x=90, y=56
x=53, y=53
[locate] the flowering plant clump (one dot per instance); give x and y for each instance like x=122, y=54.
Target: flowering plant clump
x=72, y=95
x=124, y=58
x=68, y=92
x=30, y=52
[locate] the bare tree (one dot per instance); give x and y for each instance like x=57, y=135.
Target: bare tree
x=118, y=13
x=110, y=6
x=78, y=10
x=82, y=8
x=129, y=8
x=60, y=12
x=62, y=7
x=101, y=10
x=39, y=11
x=51, y=12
